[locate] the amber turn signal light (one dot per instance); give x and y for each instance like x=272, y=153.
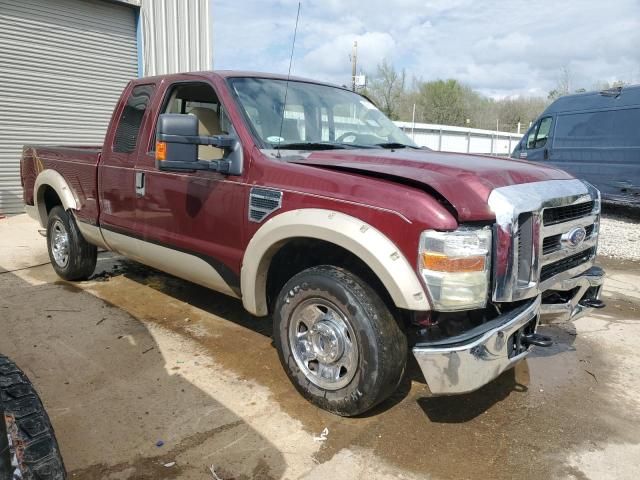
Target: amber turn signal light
x=161, y=151
x=441, y=263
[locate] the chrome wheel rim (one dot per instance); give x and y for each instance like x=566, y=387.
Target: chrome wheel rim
x=60, y=244
x=323, y=344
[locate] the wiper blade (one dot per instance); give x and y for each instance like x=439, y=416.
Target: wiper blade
x=394, y=145
x=311, y=146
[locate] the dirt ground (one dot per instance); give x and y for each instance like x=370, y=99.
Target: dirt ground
x=135, y=356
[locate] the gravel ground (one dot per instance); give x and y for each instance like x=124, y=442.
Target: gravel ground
x=619, y=237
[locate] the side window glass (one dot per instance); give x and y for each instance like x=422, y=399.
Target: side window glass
x=201, y=101
x=131, y=119
x=531, y=138
x=543, y=132
x=601, y=129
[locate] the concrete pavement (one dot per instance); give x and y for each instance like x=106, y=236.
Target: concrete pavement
x=135, y=356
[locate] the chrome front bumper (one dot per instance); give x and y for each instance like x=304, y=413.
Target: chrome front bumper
x=468, y=361
x=472, y=359
x=571, y=308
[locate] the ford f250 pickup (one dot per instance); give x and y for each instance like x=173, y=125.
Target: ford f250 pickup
x=305, y=202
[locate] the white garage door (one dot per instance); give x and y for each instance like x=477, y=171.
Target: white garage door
x=63, y=64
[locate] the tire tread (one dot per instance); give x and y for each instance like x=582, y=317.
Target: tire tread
x=18, y=398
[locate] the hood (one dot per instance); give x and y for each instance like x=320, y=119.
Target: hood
x=465, y=181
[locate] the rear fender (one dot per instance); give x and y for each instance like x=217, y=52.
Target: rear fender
x=51, y=178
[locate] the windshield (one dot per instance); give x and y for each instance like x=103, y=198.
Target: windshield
x=315, y=116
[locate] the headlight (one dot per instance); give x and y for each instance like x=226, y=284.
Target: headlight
x=455, y=267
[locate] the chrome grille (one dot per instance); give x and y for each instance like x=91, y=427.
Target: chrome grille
x=552, y=244
x=556, y=215
x=535, y=222
x=567, y=263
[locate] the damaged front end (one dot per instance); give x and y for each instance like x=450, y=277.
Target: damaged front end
x=542, y=266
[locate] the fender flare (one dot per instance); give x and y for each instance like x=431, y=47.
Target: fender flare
x=52, y=179
x=350, y=233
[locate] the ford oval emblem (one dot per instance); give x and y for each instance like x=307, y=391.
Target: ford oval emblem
x=574, y=237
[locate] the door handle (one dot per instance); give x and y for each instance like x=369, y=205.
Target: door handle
x=140, y=184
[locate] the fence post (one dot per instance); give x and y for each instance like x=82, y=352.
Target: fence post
x=440, y=141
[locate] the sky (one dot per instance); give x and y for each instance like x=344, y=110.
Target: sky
x=499, y=48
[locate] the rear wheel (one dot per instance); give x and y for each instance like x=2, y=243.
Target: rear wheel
x=72, y=257
x=28, y=447
x=337, y=340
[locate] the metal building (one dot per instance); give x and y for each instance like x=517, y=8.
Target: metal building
x=63, y=64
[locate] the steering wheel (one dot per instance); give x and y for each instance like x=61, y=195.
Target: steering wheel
x=341, y=138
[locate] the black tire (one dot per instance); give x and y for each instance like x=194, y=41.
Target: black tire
x=28, y=447
x=381, y=345
x=82, y=256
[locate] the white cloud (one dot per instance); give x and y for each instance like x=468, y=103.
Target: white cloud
x=500, y=48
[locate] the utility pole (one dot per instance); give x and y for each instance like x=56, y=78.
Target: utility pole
x=413, y=121
x=354, y=65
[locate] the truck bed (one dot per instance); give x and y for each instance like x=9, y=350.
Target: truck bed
x=77, y=165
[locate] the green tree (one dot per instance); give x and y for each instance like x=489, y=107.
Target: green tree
x=445, y=102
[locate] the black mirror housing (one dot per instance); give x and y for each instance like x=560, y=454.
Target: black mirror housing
x=177, y=146
x=175, y=125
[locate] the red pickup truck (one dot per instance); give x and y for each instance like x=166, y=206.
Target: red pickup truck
x=304, y=201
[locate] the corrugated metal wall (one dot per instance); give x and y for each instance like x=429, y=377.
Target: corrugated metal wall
x=63, y=64
x=176, y=36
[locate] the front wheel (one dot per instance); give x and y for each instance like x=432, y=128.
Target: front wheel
x=338, y=342
x=72, y=257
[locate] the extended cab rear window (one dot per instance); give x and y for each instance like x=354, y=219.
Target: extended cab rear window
x=131, y=119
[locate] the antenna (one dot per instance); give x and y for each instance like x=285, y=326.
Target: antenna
x=286, y=88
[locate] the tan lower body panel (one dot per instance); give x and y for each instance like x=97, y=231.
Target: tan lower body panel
x=174, y=262
x=92, y=234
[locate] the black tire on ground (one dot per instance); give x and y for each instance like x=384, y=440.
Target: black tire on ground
x=27, y=440
x=81, y=255
x=381, y=346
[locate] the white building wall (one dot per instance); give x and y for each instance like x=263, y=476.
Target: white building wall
x=176, y=36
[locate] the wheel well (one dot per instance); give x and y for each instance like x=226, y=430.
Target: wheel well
x=50, y=198
x=298, y=254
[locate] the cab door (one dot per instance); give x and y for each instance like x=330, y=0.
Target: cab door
x=116, y=177
x=192, y=223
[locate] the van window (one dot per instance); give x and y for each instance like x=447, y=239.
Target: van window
x=129, y=124
x=609, y=128
x=543, y=132
x=539, y=134
x=531, y=139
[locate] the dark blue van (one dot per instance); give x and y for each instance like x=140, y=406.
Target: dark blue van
x=594, y=136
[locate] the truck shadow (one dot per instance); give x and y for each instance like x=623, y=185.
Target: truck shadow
x=466, y=407
x=122, y=400
x=218, y=304
x=438, y=409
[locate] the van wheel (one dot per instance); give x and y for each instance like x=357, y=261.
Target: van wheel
x=28, y=447
x=338, y=342
x=72, y=257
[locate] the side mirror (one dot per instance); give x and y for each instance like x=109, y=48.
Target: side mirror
x=177, y=143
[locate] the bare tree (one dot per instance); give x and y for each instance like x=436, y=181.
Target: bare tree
x=563, y=86
x=388, y=88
